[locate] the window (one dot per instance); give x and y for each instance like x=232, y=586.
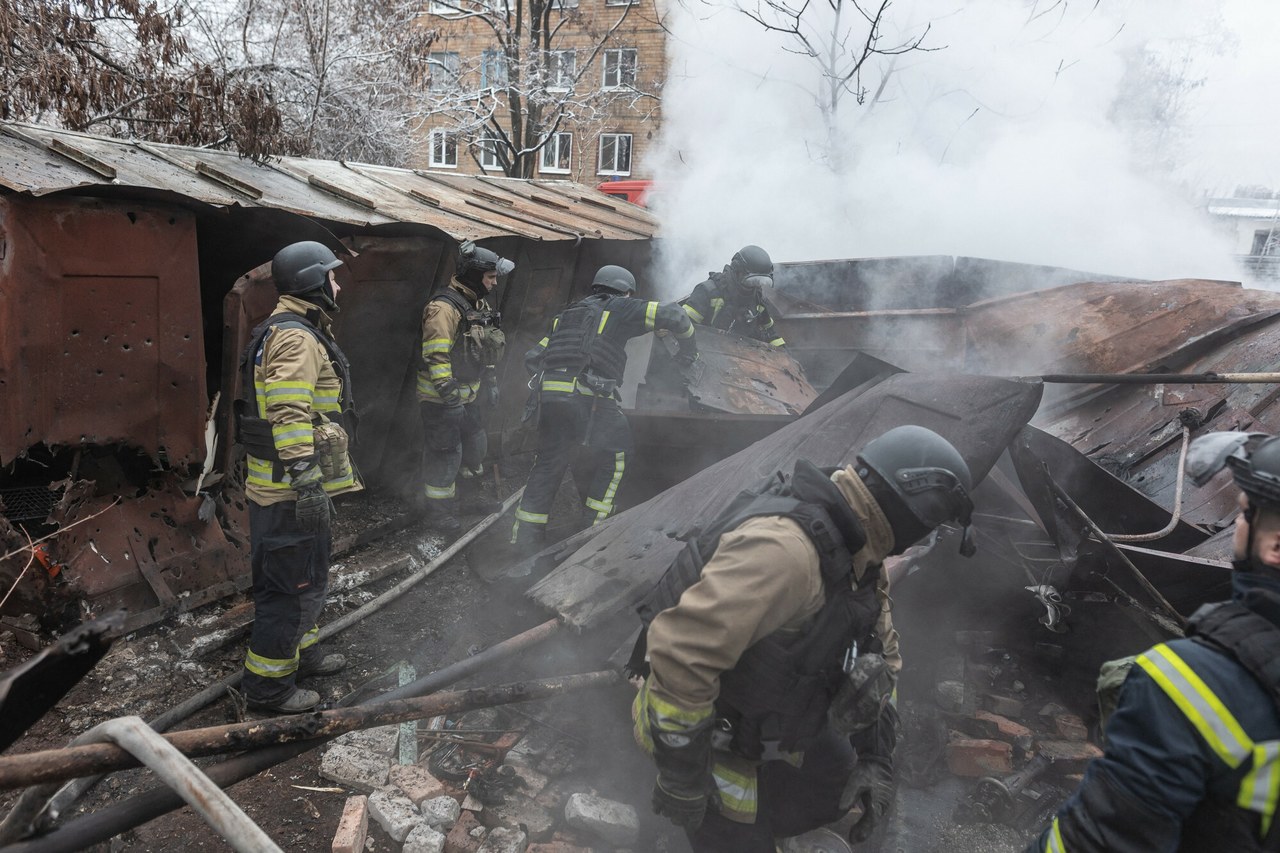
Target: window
x=488, y=154
x=620, y=68
x=555, y=154
x=493, y=70
x=1266, y=242
x=444, y=149
x=444, y=71
x=615, y=154
x=562, y=66
x=564, y=4
x=619, y=2
x=459, y=8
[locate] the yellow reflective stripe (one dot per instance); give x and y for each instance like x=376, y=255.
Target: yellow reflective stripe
x=310, y=638
x=531, y=517
x=1260, y=787
x=436, y=345
x=555, y=324
x=326, y=407
x=260, y=471
x=288, y=391
x=436, y=493
x=1198, y=703
x=438, y=370
x=1054, y=844
x=270, y=667
x=738, y=791
x=290, y=435
x=326, y=397
x=650, y=315
x=336, y=485
x=777, y=342
x=672, y=717
x=604, y=318
x=556, y=385
x=716, y=304
x=687, y=333
x=694, y=314
x=640, y=719
x=542, y=344
x=604, y=506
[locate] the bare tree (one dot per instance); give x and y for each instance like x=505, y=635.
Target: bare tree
x=509, y=103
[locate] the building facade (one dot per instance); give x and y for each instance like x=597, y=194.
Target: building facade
x=595, y=74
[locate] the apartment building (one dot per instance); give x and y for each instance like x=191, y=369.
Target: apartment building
x=596, y=76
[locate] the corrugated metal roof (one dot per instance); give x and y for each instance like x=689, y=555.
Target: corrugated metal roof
x=39, y=160
x=1246, y=208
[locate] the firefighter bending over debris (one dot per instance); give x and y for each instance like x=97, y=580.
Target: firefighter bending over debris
x=577, y=370
x=770, y=653
x=731, y=300
x=1192, y=759
x=461, y=346
x=293, y=425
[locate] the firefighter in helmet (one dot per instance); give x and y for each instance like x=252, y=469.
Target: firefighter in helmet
x=461, y=346
x=1192, y=759
x=732, y=299
x=577, y=370
x=769, y=652
x=293, y=418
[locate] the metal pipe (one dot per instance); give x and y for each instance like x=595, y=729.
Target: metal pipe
x=1209, y=378
x=96, y=757
x=1177, y=502
x=73, y=791
x=148, y=805
x=143, y=745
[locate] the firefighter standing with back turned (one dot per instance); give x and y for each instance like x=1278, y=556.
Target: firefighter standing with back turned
x=461, y=347
x=294, y=418
x=1192, y=759
x=770, y=653
x=731, y=299
x=577, y=369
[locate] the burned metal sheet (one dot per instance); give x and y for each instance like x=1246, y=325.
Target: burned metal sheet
x=610, y=569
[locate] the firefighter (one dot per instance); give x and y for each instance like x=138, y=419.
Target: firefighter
x=731, y=299
x=1192, y=759
x=577, y=369
x=462, y=344
x=770, y=653
x=294, y=417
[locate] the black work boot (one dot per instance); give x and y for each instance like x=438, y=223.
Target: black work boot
x=442, y=517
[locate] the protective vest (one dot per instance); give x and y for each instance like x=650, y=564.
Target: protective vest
x=480, y=337
x=778, y=693
x=583, y=343
x=730, y=311
x=254, y=432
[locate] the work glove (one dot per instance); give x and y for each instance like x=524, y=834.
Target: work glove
x=870, y=786
x=491, y=395
x=686, y=358
x=684, y=783
x=450, y=392
x=313, y=507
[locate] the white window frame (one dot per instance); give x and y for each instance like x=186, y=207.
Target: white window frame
x=615, y=60
x=619, y=2
x=491, y=60
x=615, y=137
x=559, y=143
x=442, y=137
x=561, y=5
x=558, y=80
x=440, y=65
x=488, y=144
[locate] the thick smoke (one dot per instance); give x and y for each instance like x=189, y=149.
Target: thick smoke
x=1063, y=133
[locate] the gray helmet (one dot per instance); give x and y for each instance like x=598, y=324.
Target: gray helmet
x=302, y=269
x=752, y=268
x=476, y=258
x=1253, y=457
x=615, y=279
x=927, y=474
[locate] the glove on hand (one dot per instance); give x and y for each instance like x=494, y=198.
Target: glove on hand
x=491, y=395
x=313, y=507
x=685, y=358
x=684, y=783
x=871, y=786
x=450, y=392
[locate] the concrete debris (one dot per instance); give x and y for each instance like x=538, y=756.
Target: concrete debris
x=615, y=822
x=383, y=740
x=396, y=814
x=416, y=783
x=504, y=840
x=518, y=811
x=441, y=812
x=355, y=767
x=466, y=836
x=424, y=839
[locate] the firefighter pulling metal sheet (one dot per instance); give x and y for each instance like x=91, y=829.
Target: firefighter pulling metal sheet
x=577, y=370
x=462, y=343
x=769, y=650
x=732, y=300
x=294, y=419
x=1192, y=759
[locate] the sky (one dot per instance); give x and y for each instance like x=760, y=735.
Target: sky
x=1030, y=130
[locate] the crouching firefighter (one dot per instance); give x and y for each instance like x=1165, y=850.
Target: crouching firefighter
x=462, y=344
x=1192, y=760
x=770, y=652
x=294, y=417
x=577, y=370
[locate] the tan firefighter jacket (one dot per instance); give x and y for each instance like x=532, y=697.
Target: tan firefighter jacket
x=455, y=348
x=295, y=388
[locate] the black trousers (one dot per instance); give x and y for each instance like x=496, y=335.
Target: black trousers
x=290, y=576
x=791, y=801
x=454, y=436
x=589, y=434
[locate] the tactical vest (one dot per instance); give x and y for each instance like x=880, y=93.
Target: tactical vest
x=778, y=693
x=1254, y=642
x=253, y=432
x=583, y=342
x=738, y=315
x=478, y=350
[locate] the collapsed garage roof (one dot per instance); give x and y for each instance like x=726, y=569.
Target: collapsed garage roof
x=40, y=160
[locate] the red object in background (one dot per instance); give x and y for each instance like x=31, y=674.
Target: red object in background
x=632, y=191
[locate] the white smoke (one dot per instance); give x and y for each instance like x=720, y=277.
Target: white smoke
x=1025, y=135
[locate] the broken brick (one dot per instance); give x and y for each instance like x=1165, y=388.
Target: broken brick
x=353, y=826
x=1071, y=727
x=977, y=758
x=1005, y=706
x=460, y=838
x=1005, y=728
x=1069, y=756
x=416, y=782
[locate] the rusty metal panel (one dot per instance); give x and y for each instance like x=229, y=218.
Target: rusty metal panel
x=605, y=570
x=103, y=330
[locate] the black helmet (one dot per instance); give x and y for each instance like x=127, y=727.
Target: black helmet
x=474, y=261
x=616, y=279
x=302, y=269
x=752, y=268
x=927, y=476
